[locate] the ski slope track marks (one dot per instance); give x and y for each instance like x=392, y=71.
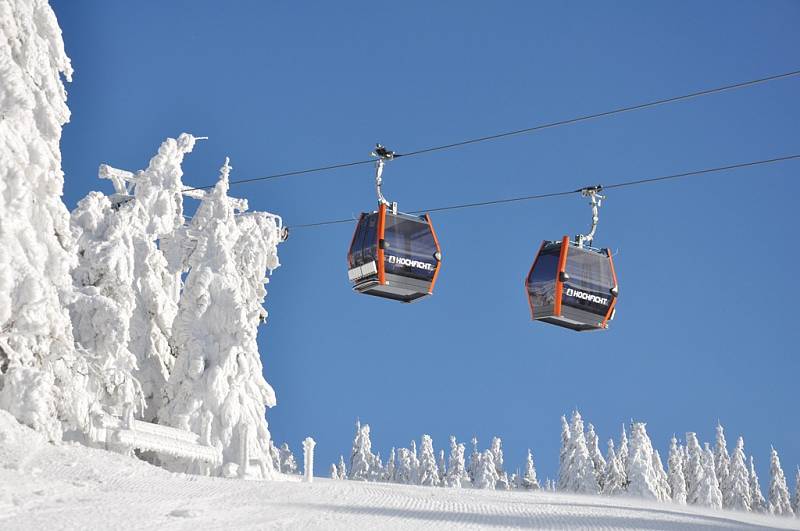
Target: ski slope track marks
x=69, y=486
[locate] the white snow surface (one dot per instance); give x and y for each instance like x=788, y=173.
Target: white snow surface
x=70, y=486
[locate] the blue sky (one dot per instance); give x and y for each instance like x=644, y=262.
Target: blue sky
x=706, y=326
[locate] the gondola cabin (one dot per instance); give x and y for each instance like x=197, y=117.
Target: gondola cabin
x=572, y=286
x=394, y=255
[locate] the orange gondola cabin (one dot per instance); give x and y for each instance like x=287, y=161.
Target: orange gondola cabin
x=394, y=255
x=572, y=285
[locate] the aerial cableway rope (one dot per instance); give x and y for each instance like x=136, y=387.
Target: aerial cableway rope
x=637, y=182
x=540, y=127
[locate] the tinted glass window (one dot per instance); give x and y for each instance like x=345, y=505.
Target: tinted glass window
x=369, y=244
x=409, y=247
x=354, y=255
x=590, y=281
x=542, y=279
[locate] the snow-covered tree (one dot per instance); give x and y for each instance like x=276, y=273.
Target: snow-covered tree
x=643, y=480
x=442, y=468
x=404, y=472
x=736, y=494
x=693, y=468
x=676, y=479
x=456, y=469
x=796, y=498
x=42, y=377
x=341, y=469
x=664, y=491
x=497, y=454
x=334, y=472
x=707, y=492
x=104, y=301
x=722, y=461
x=563, y=459
x=217, y=386
x=474, y=460
x=757, y=504
x=415, y=464
x=288, y=462
x=596, y=455
x=614, y=477
x=364, y=464
x=622, y=452
x=580, y=472
x=779, y=503
x=428, y=474
x=390, y=466
x=529, y=480
x=486, y=472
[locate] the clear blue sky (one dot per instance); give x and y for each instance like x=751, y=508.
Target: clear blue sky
x=707, y=320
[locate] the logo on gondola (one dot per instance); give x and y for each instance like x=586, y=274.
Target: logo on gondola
x=407, y=262
x=586, y=296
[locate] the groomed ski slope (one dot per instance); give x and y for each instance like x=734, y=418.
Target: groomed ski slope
x=69, y=486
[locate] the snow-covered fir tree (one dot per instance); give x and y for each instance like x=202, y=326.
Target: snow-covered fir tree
x=364, y=465
x=456, y=469
x=126, y=294
x=415, y=464
x=664, y=490
x=563, y=458
x=442, y=468
x=428, y=474
x=722, y=461
x=676, y=479
x=390, y=466
x=496, y=448
x=404, y=472
x=288, y=462
x=597, y=457
x=757, y=502
x=341, y=468
x=779, y=503
x=693, y=468
x=217, y=388
x=707, y=492
x=43, y=378
x=643, y=481
x=486, y=472
x=622, y=451
x=474, y=460
x=529, y=480
x=104, y=300
x=736, y=494
x=614, y=477
x=334, y=472
x=796, y=497
x=580, y=471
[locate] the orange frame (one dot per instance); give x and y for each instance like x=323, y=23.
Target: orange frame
x=381, y=233
x=438, y=249
x=562, y=265
x=614, y=300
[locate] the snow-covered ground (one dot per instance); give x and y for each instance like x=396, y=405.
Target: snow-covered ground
x=69, y=486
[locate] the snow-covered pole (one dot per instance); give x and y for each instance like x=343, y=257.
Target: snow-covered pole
x=308, y=458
